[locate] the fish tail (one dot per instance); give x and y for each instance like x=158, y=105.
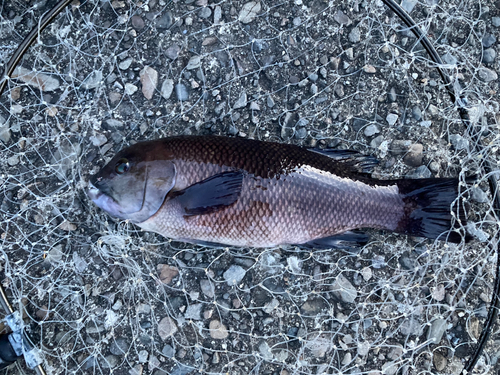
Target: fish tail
x=433, y=209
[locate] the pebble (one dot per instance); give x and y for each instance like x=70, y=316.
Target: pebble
x=125, y=64
x=5, y=133
x=194, y=62
x=438, y=292
x=130, y=89
x=167, y=88
x=487, y=75
x=363, y=348
x=354, y=35
x=436, y=330
x=98, y=139
x=392, y=118
x=180, y=369
x=391, y=95
x=420, y=172
x=371, y=130
x=119, y=346
x=234, y=275
x=390, y=368
x=439, y=361
x=301, y=133
x=217, y=14
x=416, y=112
x=414, y=156
x=297, y=21
x=218, y=330
x=449, y=59
x=167, y=273
x=149, y=80
x=496, y=21
x=459, y=142
x=269, y=101
x=341, y=18
x=143, y=356
x=339, y=90
x=343, y=289
x=369, y=69
x=137, y=22
x=265, y=351
x=205, y=12
x=408, y=5
x=166, y=328
x=478, y=195
x=314, y=89
x=65, y=156
x=80, y=263
x=165, y=21
x=173, y=51
x=249, y=11
x=38, y=80
x=193, y=312
x=489, y=55
x=168, y=351
x=143, y=308
x=488, y=40
x=366, y=273
x=13, y=160
x=269, y=307
x=242, y=100
x=181, y=92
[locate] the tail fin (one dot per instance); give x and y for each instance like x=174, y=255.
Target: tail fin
x=429, y=211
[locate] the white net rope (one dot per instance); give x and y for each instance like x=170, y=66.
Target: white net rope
x=100, y=296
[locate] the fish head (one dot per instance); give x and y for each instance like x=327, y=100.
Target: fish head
x=134, y=184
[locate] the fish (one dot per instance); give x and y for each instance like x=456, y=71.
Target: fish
x=224, y=191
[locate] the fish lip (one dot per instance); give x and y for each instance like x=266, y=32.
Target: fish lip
x=93, y=192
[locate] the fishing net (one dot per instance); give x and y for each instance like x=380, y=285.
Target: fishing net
x=100, y=296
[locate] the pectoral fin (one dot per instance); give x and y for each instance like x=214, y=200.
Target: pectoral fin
x=210, y=195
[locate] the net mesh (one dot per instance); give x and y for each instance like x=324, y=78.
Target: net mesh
x=100, y=296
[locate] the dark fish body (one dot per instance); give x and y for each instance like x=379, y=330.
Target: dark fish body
x=251, y=193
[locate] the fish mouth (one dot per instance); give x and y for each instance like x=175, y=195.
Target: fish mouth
x=102, y=200
x=93, y=193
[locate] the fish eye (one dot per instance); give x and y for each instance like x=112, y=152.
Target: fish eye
x=122, y=166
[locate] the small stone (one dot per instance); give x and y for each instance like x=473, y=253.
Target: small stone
x=249, y=11
x=377, y=141
x=181, y=92
x=143, y=356
x=297, y=21
x=459, y=142
x=436, y=330
x=234, y=275
x=38, y=80
x=137, y=22
x=487, y=75
x=269, y=102
x=217, y=14
x=254, y=106
x=218, y=330
x=371, y=130
x=343, y=289
x=416, y=113
x=4, y=131
x=165, y=21
x=119, y=346
x=341, y=18
x=166, y=328
x=167, y=273
x=98, y=139
x=369, y=69
x=193, y=312
x=363, y=348
x=149, y=80
x=168, y=351
x=392, y=118
x=449, y=59
x=301, y=133
x=67, y=226
x=439, y=361
x=488, y=40
x=242, y=100
x=420, y=172
x=114, y=97
x=478, y=195
x=194, y=62
x=270, y=306
x=414, y=156
x=390, y=368
x=130, y=89
x=339, y=90
x=314, y=89
x=366, y=273
x=205, y=12
x=125, y=64
x=167, y=88
x=391, y=95
x=489, y=55
x=496, y=21
x=438, y=292
x=354, y=35
x=408, y=5
x=173, y=51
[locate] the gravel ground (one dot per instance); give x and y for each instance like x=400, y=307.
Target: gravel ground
x=103, y=297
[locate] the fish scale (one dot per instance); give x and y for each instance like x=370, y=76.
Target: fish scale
x=243, y=192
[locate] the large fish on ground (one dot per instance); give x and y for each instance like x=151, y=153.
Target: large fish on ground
x=242, y=192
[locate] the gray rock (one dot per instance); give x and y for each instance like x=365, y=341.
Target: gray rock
x=218, y=330
x=38, y=80
x=93, y=80
x=149, y=81
x=173, y=51
x=459, y=142
x=301, y=133
x=439, y=361
x=416, y=112
x=496, y=21
x=420, y=172
x=217, y=14
x=371, y=130
x=181, y=92
x=119, y=346
x=137, y=22
x=242, y=100
x=270, y=306
x=194, y=62
x=489, y=55
x=313, y=77
x=234, y=275
x=341, y=18
x=478, y=195
x=168, y=351
x=399, y=147
x=110, y=361
x=166, y=328
x=265, y=350
x=143, y=356
x=4, y=130
x=414, y=156
x=390, y=368
x=354, y=35
x=193, y=312
x=411, y=327
x=487, y=75
x=130, y=89
x=125, y=64
x=98, y=139
x=205, y=12
x=115, y=124
x=436, y=330
x=488, y=40
x=249, y=11
x=314, y=89
x=392, y=118
x=270, y=101
x=408, y=5
x=79, y=262
x=391, y=95
x=377, y=141
x=181, y=369
x=343, y=289
x=449, y=59
x=165, y=21
x=167, y=88
x=297, y=21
